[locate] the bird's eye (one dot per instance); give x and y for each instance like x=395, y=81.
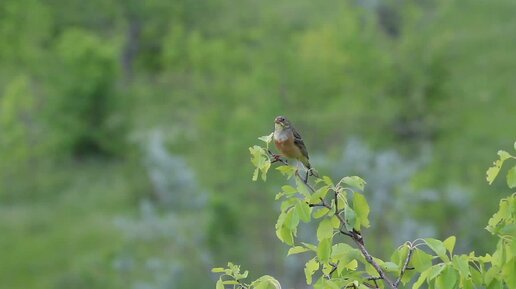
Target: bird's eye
x=282, y=119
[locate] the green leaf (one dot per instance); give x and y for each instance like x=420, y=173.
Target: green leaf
x=390, y=267
x=503, y=155
x=449, y=243
x=288, y=171
x=461, y=264
x=326, y=268
x=466, y=283
x=491, y=275
x=335, y=222
x=350, y=218
x=303, y=211
x=476, y=276
x=370, y=270
x=492, y=172
x=218, y=270
x=509, y=229
x=310, y=246
x=329, y=182
x=511, y=177
x=288, y=190
x=279, y=196
x=319, y=194
x=330, y=284
x=285, y=235
x=447, y=279
x=266, y=282
x=324, y=250
x=421, y=260
x=407, y=276
x=399, y=256
x=435, y=271
x=219, y=284
x=320, y=213
x=302, y=189
x=296, y=250
x=354, y=181
x=509, y=272
x=503, y=213
x=242, y=276
x=361, y=209
x=287, y=204
x=438, y=247
x=422, y=278
x=255, y=174
x=352, y=265
x=495, y=284
x=266, y=138
x=260, y=160
x=283, y=232
x=310, y=268
x=325, y=229
x=265, y=168
x=292, y=219
x=344, y=252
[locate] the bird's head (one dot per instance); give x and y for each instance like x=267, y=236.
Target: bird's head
x=281, y=122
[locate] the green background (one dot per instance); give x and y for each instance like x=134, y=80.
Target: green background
x=125, y=127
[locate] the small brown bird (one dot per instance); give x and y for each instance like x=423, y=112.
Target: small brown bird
x=289, y=142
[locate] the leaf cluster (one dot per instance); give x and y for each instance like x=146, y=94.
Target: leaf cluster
x=342, y=208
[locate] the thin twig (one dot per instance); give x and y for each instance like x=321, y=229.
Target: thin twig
x=334, y=265
x=404, y=268
x=374, y=279
x=371, y=286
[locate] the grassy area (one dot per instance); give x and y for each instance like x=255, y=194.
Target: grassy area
x=67, y=240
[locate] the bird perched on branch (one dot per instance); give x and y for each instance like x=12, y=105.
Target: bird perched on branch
x=290, y=143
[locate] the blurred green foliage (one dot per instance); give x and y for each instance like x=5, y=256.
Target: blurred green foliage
x=83, y=85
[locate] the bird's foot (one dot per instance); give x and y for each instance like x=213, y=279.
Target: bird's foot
x=313, y=172
x=277, y=158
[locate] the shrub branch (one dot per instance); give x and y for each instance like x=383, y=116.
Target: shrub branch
x=357, y=238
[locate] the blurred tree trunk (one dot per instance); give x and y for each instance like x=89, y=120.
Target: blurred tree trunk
x=131, y=47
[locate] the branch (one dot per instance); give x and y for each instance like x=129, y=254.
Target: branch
x=359, y=242
x=277, y=158
x=355, y=236
x=374, y=279
x=404, y=268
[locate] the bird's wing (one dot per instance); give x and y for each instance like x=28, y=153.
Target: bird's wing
x=298, y=141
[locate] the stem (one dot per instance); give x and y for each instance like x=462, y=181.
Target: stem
x=404, y=268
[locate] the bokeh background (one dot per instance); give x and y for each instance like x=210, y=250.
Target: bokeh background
x=125, y=127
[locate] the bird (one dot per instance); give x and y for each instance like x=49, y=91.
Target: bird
x=290, y=143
